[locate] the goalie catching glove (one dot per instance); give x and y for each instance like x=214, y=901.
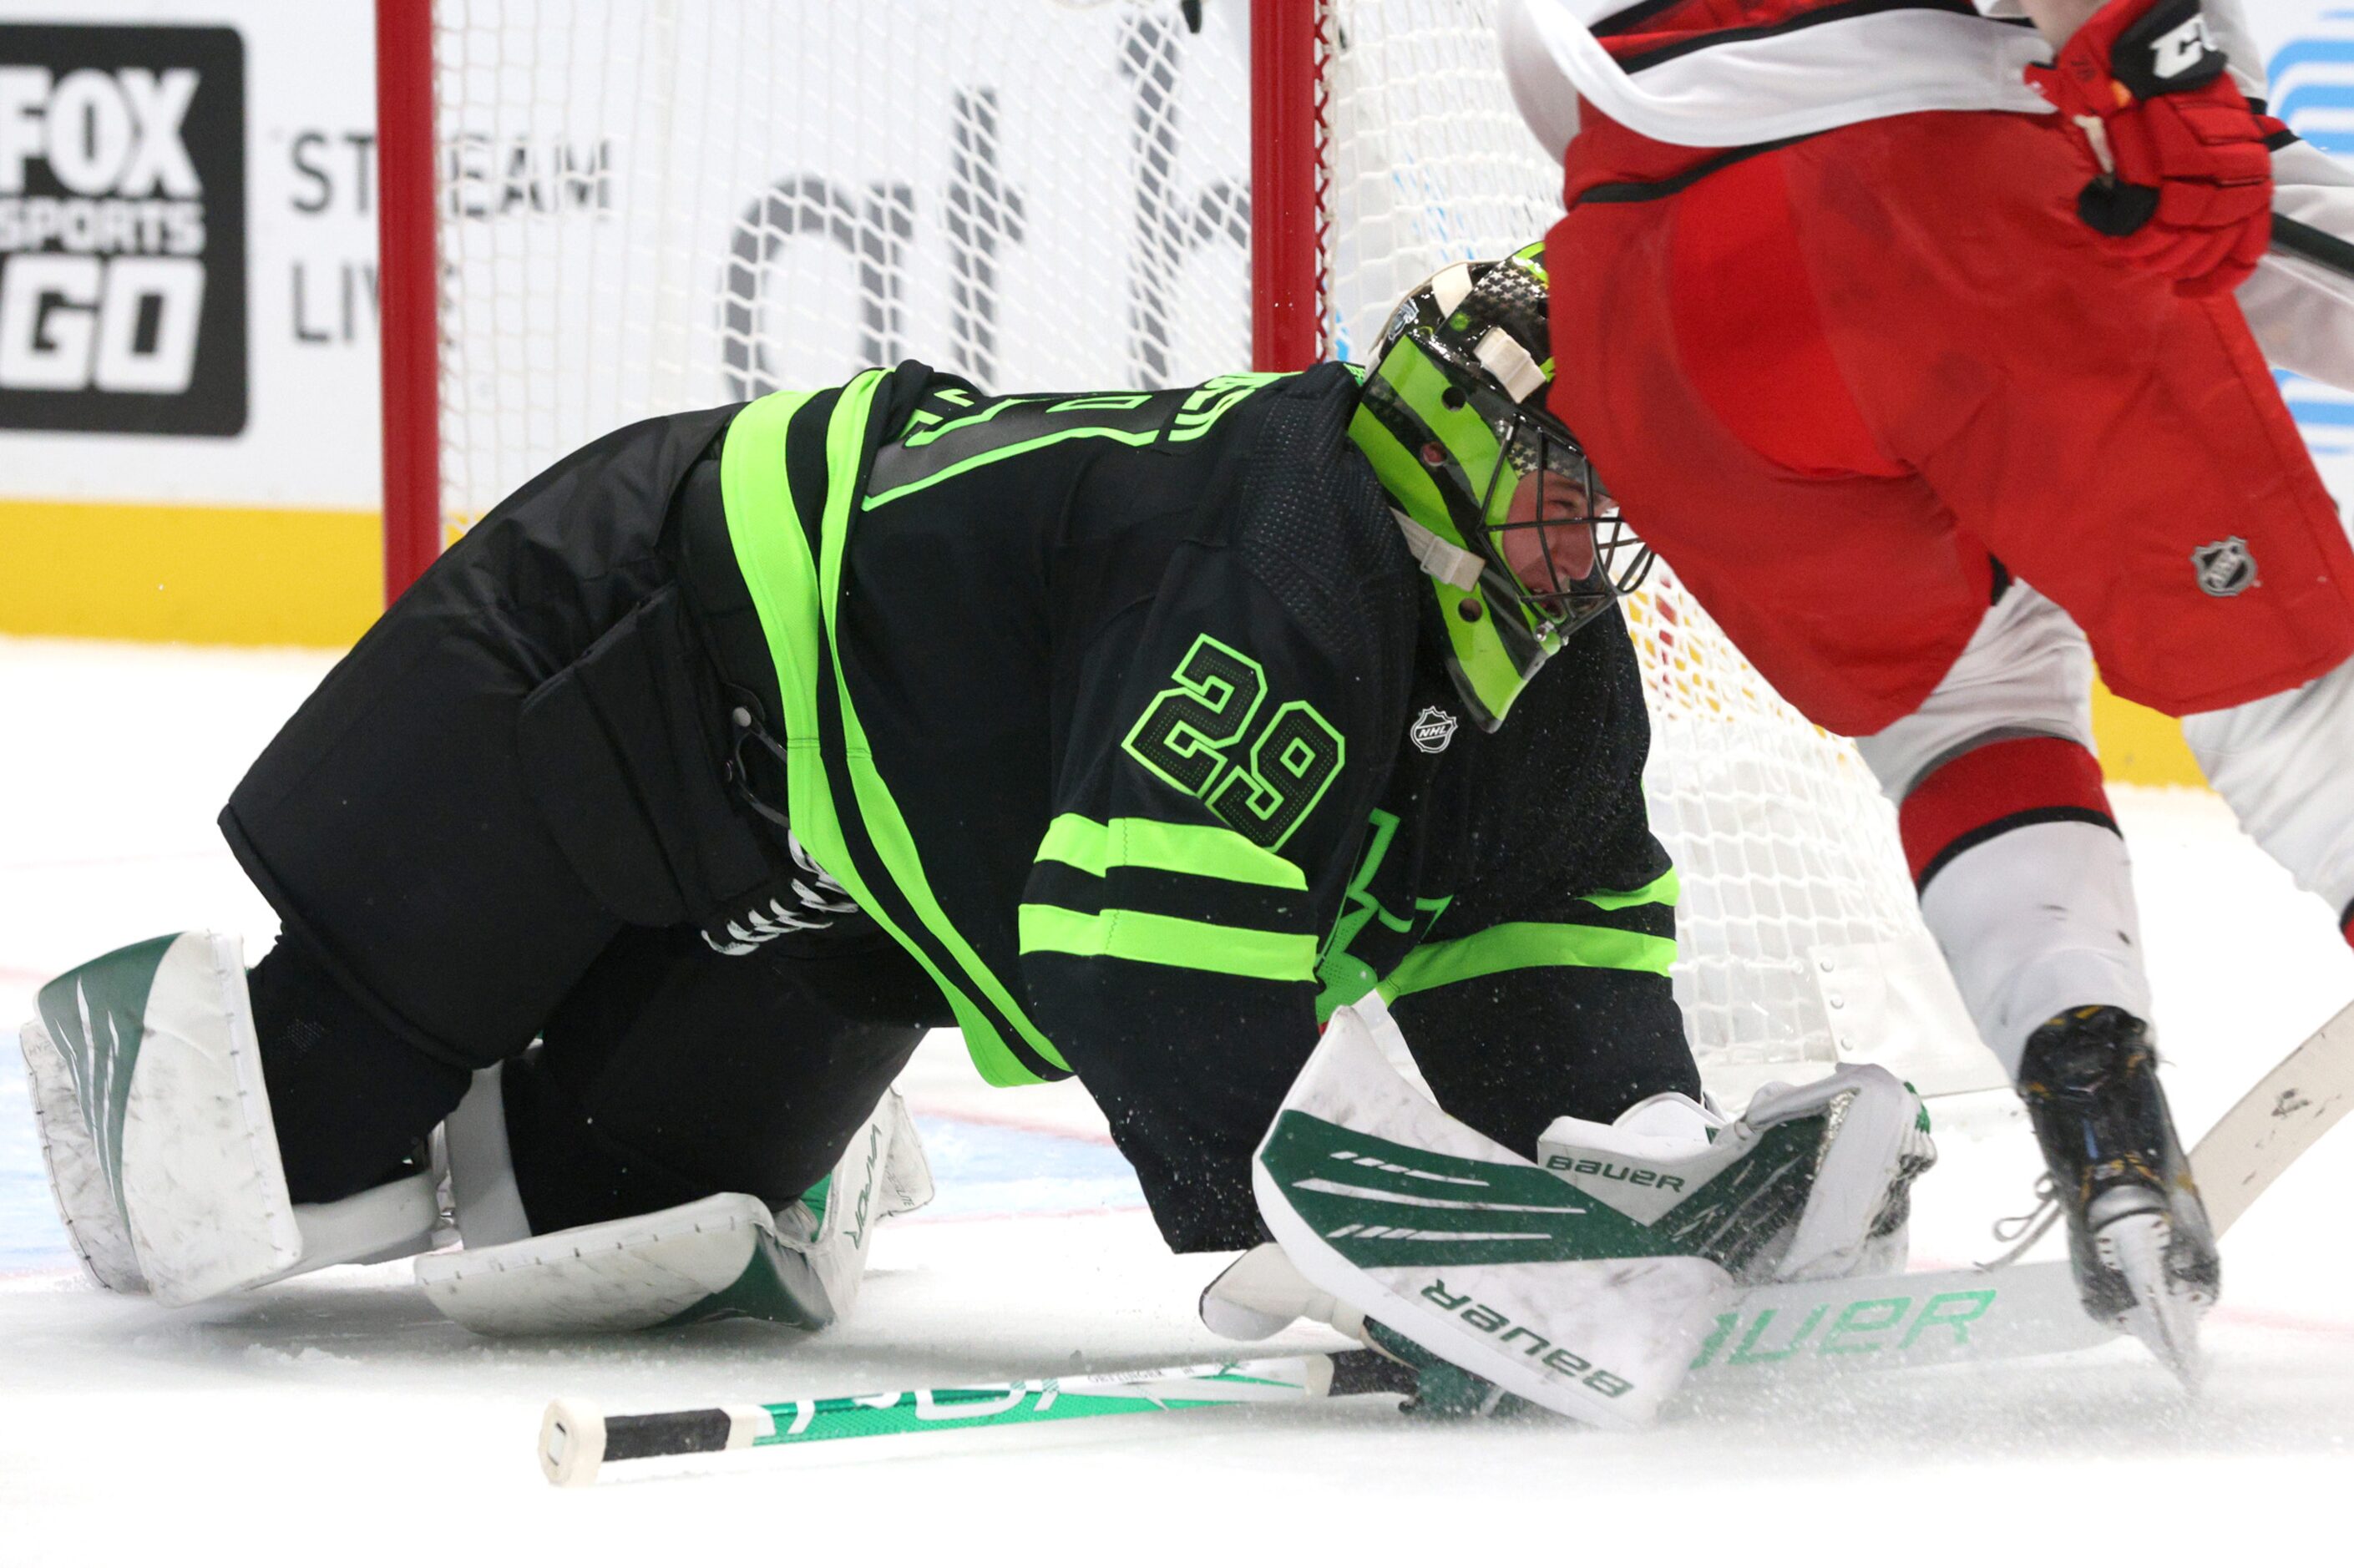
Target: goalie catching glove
x=1582, y=1283
x=2186, y=180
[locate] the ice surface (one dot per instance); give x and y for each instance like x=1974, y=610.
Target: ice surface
x=337, y=1419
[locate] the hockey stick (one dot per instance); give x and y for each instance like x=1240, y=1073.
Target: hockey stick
x=2284, y=1115
x=1883, y=1324
x=574, y=1438
x=1898, y=1320
x=2030, y=1308
x=2318, y=245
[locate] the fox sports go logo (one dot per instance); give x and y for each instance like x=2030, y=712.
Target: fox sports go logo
x=102, y=230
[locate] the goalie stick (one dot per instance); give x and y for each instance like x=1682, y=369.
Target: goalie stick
x=2284, y=1115
x=1872, y=1323
x=576, y=1440
x=2030, y=1308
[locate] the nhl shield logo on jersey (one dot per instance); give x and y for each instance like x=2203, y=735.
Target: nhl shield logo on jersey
x=1433, y=728
x=2225, y=568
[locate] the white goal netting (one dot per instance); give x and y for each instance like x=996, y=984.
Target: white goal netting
x=656, y=205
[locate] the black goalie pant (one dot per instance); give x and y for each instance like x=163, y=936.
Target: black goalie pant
x=503, y=819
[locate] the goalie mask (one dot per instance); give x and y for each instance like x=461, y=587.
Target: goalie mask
x=1453, y=418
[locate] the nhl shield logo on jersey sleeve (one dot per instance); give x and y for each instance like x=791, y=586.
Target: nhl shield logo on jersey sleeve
x=2225, y=568
x=1433, y=728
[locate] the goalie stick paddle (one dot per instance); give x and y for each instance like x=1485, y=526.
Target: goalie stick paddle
x=2030, y=1308
x=1892, y=1322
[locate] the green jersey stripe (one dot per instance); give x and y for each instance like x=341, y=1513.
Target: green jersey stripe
x=1170, y=893
x=878, y=813
x=1664, y=889
x=773, y=554
x=790, y=590
x=1147, y=938
x=1190, y=849
x=1521, y=945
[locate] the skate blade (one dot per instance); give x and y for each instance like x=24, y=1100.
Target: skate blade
x=2165, y=1317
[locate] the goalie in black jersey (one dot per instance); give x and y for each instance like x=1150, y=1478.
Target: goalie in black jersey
x=622, y=864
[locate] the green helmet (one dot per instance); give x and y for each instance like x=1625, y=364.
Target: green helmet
x=1452, y=416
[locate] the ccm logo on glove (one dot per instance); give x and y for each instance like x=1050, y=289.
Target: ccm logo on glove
x=2184, y=180
x=2182, y=57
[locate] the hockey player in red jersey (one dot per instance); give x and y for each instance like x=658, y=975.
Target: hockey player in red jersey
x=1908, y=334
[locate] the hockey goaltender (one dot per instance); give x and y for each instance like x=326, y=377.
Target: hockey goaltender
x=1136, y=734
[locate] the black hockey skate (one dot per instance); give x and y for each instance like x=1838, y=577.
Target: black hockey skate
x=2137, y=1233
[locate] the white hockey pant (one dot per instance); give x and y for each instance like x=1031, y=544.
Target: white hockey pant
x=2035, y=917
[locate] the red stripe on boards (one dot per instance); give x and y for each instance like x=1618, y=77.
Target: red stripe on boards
x=2002, y=779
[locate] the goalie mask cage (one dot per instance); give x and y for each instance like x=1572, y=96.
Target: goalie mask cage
x=599, y=210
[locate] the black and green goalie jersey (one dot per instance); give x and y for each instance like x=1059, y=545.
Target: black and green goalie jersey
x=1125, y=714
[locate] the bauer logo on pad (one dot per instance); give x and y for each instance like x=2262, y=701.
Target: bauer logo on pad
x=122, y=229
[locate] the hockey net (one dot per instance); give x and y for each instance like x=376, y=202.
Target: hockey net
x=644, y=206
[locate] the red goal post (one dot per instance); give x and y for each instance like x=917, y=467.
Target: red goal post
x=407, y=289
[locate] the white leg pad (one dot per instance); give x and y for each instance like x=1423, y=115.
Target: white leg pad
x=381, y=1225
x=78, y=1176
x=724, y=1256
x=157, y=1127
x=635, y=1273
x=158, y=1042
